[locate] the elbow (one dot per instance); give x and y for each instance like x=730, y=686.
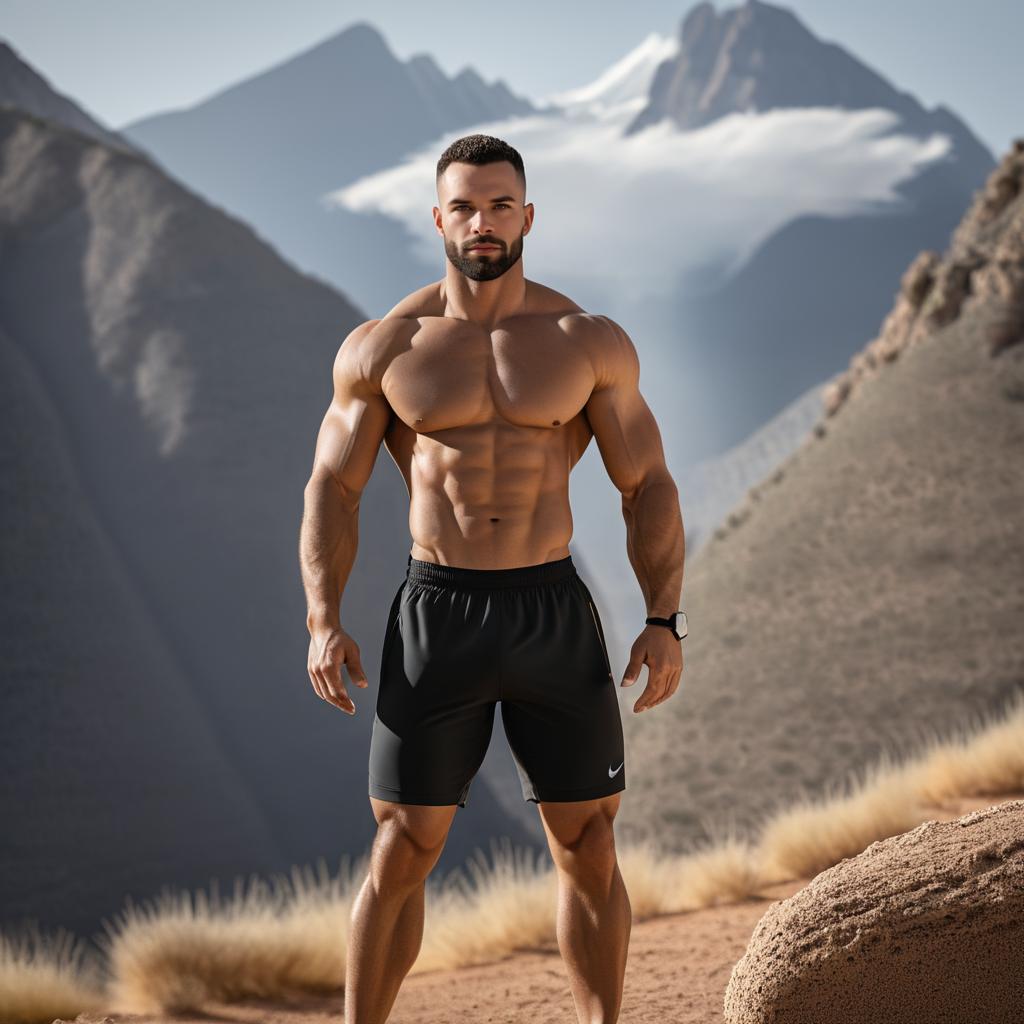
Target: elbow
x=656, y=477
x=324, y=485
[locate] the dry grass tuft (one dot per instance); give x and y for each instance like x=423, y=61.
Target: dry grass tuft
x=290, y=934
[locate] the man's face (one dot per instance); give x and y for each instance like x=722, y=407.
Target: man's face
x=482, y=206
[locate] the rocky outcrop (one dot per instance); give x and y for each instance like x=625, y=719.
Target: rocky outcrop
x=984, y=265
x=923, y=926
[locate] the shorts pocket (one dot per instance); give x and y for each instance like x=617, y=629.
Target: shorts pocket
x=391, y=629
x=598, y=628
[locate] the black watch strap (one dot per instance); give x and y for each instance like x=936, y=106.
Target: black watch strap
x=670, y=622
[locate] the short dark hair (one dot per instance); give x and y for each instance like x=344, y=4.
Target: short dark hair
x=481, y=149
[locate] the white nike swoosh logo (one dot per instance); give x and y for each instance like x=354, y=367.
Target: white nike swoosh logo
x=612, y=774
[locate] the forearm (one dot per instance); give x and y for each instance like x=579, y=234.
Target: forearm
x=655, y=542
x=327, y=548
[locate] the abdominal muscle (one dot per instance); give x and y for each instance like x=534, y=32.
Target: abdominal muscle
x=490, y=496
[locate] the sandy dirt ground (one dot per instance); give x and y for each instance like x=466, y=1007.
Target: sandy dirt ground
x=677, y=970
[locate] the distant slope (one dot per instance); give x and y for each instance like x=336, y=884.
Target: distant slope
x=113, y=778
x=21, y=86
x=169, y=374
x=872, y=588
x=713, y=487
x=269, y=147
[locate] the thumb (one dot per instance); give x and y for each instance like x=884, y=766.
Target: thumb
x=354, y=663
x=632, y=673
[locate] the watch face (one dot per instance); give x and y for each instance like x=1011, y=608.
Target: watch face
x=681, y=623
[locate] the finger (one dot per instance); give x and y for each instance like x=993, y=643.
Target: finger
x=673, y=685
x=314, y=677
x=632, y=673
x=657, y=687
x=340, y=699
x=325, y=684
x=335, y=685
x=334, y=688
x=646, y=698
x=666, y=684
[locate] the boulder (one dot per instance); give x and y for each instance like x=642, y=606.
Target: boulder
x=925, y=926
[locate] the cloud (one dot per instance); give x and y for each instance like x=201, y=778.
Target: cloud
x=636, y=213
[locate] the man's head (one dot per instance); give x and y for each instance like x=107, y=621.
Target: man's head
x=481, y=192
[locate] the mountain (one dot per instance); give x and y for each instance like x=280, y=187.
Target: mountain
x=713, y=487
x=627, y=81
x=165, y=373
x=801, y=304
x=759, y=56
x=270, y=147
x=23, y=88
x=113, y=776
x=732, y=346
x=869, y=592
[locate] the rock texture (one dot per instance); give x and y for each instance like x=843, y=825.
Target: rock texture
x=923, y=926
x=985, y=262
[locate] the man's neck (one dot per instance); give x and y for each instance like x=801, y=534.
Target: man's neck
x=484, y=302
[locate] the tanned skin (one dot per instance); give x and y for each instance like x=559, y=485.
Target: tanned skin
x=486, y=389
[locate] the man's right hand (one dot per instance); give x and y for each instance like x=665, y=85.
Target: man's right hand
x=329, y=649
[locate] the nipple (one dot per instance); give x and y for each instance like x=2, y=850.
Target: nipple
x=419, y=419
x=555, y=423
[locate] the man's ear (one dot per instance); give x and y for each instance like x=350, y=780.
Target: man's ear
x=529, y=218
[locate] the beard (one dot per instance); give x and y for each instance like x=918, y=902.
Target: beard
x=485, y=266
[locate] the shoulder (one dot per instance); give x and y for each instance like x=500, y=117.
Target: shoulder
x=425, y=301
x=611, y=350
x=364, y=354
x=549, y=301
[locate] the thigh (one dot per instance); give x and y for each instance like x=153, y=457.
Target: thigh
x=559, y=705
x=436, y=698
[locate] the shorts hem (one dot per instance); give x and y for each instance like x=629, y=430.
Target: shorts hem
x=546, y=795
x=401, y=797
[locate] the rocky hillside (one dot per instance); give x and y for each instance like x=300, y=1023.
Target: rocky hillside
x=23, y=88
x=164, y=376
x=869, y=591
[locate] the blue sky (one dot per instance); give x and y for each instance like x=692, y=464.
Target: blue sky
x=122, y=59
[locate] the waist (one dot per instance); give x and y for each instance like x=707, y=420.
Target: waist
x=437, y=575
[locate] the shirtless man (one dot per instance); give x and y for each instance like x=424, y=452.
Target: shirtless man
x=486, y=389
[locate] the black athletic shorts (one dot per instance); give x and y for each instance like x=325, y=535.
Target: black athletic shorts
x=458, y=641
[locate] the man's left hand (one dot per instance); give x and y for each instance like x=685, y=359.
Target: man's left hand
x=662, y=653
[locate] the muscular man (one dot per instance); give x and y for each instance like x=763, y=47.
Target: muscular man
x=486, y=389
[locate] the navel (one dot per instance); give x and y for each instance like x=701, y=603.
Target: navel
x=555, y=423
x=494, y=519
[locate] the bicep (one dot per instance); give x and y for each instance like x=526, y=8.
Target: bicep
x=624, y=427
x=356, y=420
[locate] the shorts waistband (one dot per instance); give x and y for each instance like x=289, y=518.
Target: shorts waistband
x=419, y=571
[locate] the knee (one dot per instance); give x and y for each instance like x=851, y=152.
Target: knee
x=404, y=851
x=585, y=849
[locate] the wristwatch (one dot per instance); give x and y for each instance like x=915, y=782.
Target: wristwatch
x=675, y=620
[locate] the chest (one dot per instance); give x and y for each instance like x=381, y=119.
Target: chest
x=536, y=376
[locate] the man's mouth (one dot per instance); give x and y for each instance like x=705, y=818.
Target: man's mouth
x=482, y=248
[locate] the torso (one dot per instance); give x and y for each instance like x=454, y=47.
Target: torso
x=487, y=425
